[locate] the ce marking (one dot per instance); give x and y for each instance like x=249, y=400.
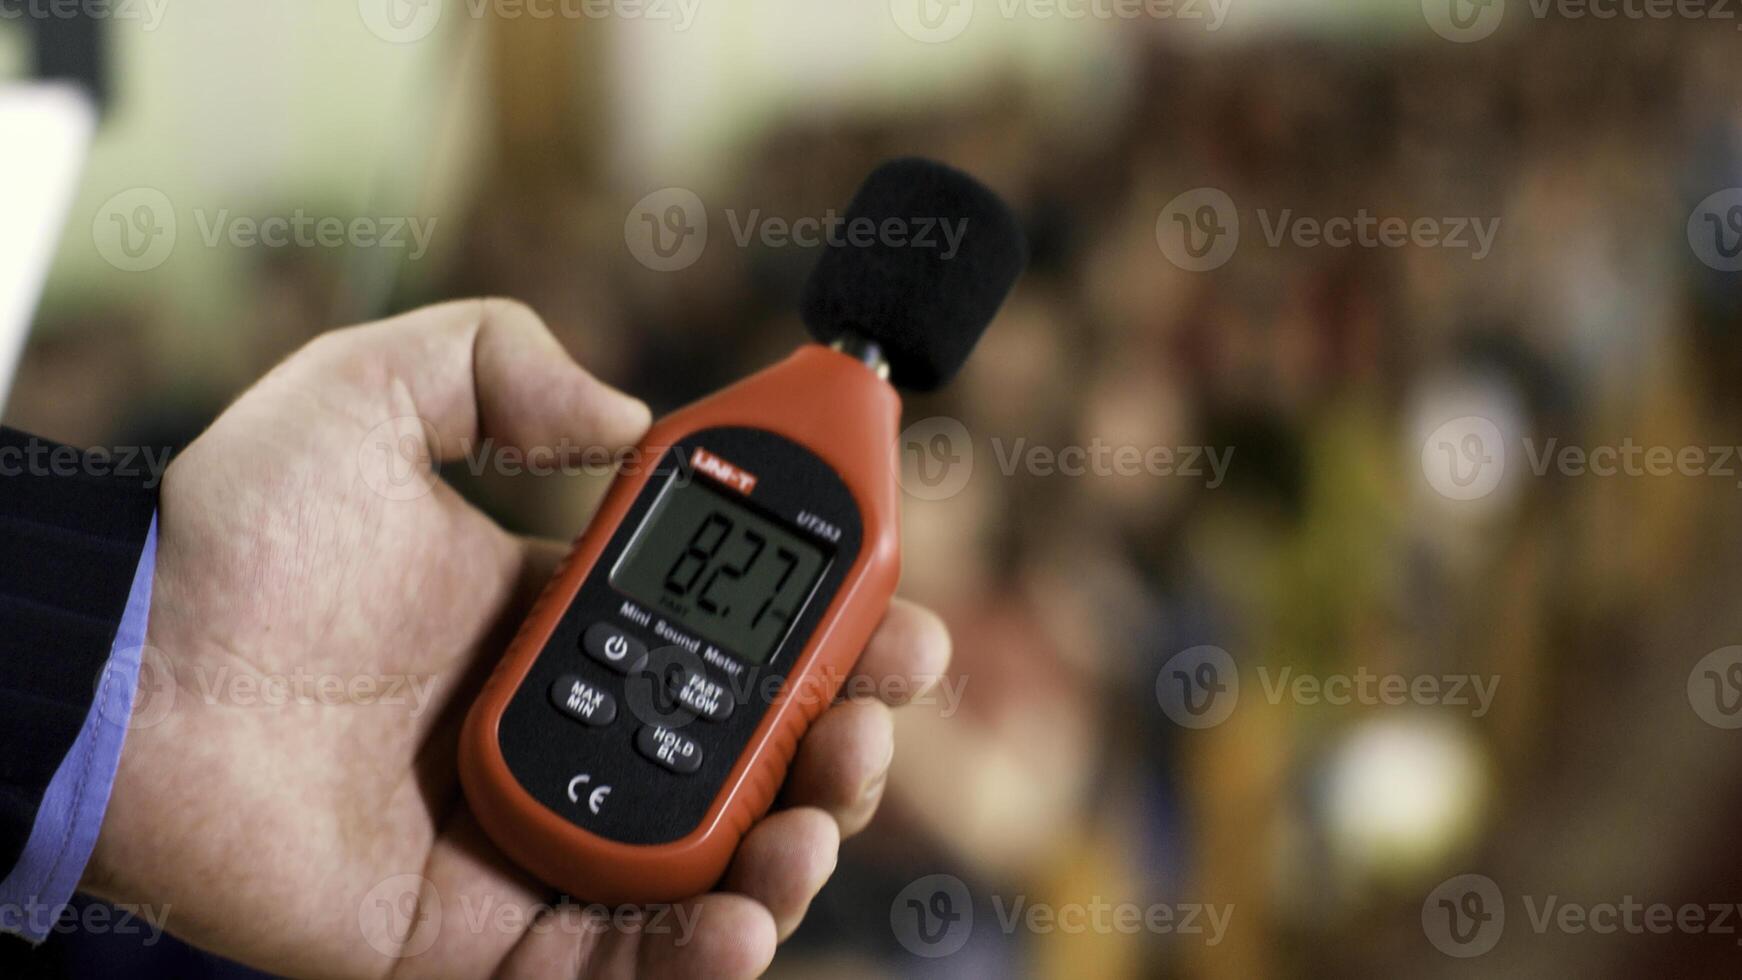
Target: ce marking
x=595, y=799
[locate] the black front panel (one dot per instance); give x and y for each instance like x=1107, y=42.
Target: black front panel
x=640, y=704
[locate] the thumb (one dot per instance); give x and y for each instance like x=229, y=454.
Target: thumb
x=485, y=368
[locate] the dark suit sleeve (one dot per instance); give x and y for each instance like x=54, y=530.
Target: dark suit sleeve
x=71, y=529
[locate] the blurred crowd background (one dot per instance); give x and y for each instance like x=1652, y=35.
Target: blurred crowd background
x=1326, y=549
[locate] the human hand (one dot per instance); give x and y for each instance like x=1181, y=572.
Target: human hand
x=323, y=833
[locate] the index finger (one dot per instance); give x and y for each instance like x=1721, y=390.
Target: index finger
x=906, y=656
x=480, y=368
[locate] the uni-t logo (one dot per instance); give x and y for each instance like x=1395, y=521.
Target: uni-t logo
x=725, y=472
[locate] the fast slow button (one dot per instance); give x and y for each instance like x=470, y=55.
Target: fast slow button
x=705, y=697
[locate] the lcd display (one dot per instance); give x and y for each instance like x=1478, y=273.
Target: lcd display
x=720, y=569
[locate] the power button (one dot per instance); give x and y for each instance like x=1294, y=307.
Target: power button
x=614, y=648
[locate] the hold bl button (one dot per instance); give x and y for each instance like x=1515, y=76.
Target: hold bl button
x=676, y=752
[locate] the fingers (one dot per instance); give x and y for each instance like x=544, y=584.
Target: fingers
x=842, y=767
x=481, y=368
x=484, y=917
x=843, y=763
x=907, y=654
x=726, y=936
x=464, y=874
x=730, y=936
x=784, y=861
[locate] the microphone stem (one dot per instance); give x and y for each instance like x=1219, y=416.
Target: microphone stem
x=864, y=350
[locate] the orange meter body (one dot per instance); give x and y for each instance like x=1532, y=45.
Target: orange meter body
x=646, y=713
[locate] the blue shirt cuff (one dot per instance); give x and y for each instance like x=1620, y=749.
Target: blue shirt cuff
x=65, y=831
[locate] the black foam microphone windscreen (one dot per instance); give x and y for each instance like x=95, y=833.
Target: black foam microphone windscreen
x=919, y=264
